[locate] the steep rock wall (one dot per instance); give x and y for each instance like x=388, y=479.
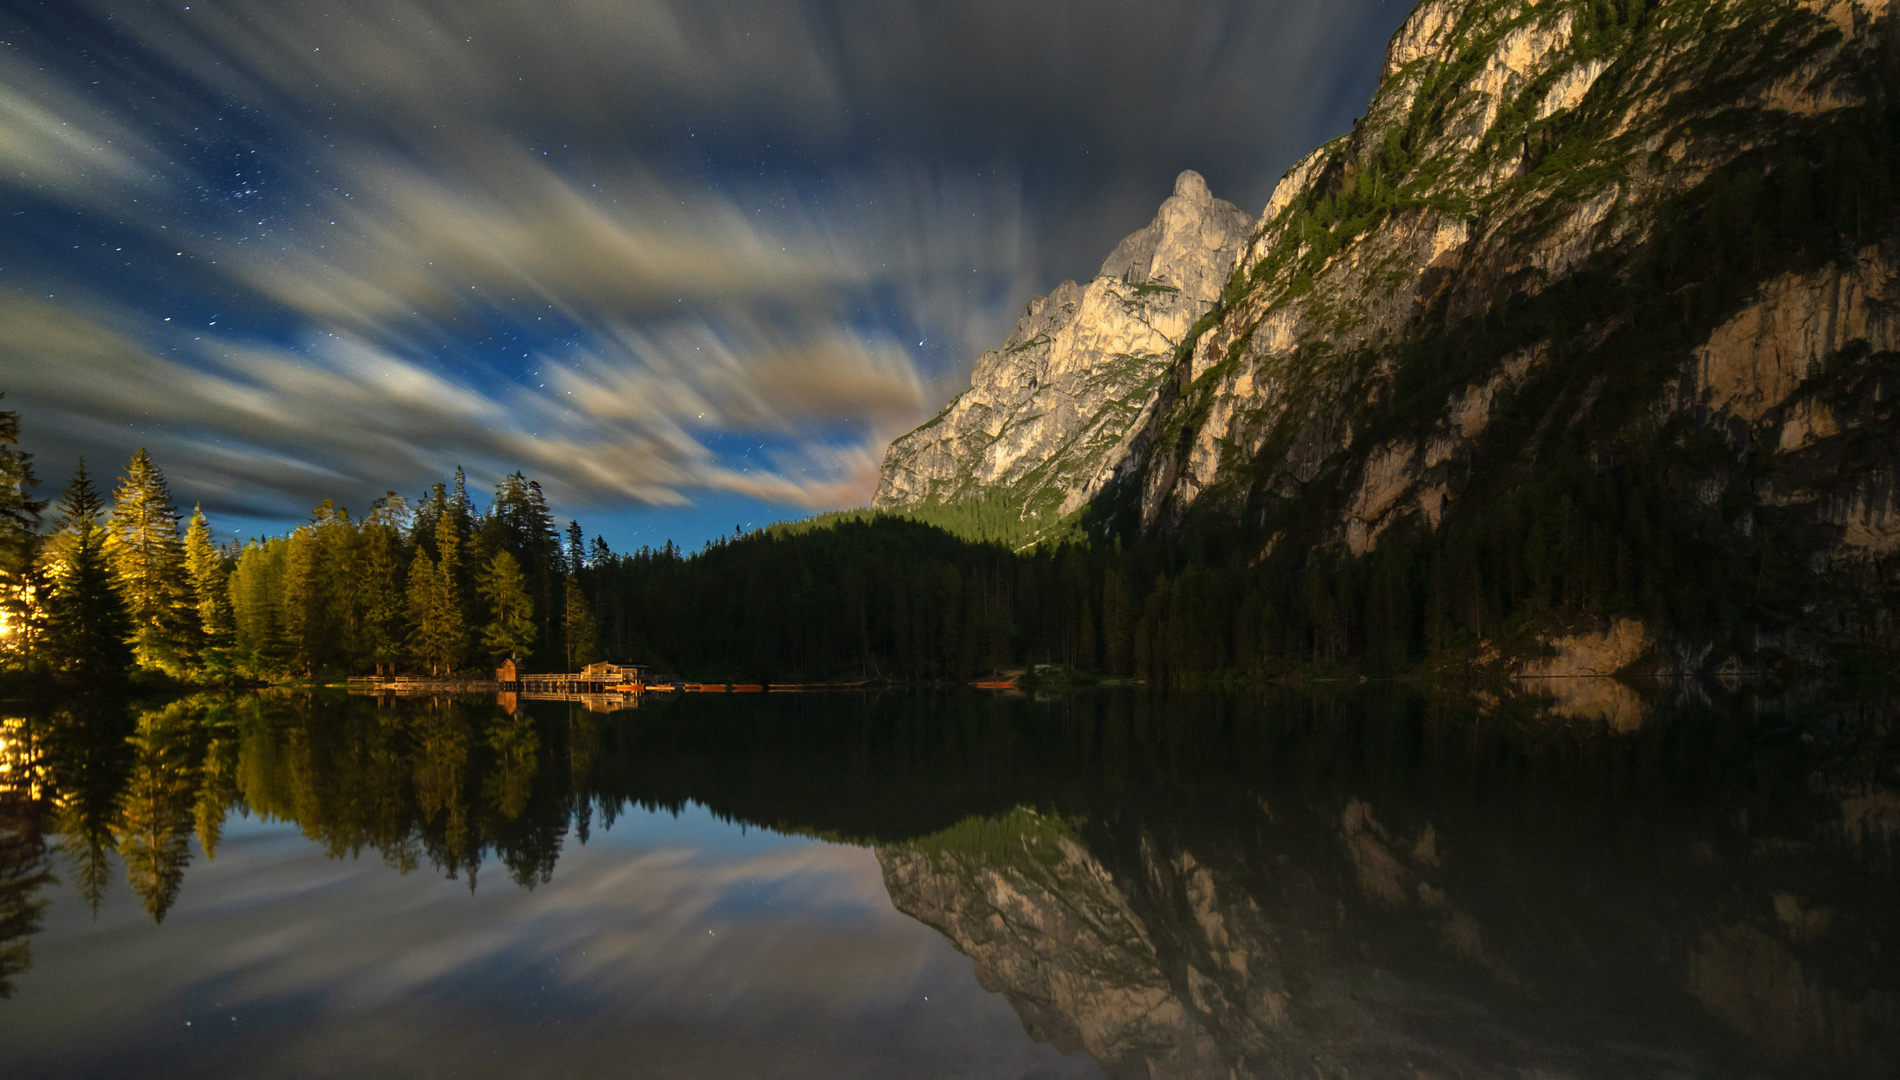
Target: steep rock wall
x=1049, y=415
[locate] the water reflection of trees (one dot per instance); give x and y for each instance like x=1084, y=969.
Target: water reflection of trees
x=24, y=868
x=122, y=791
x=1730, y=858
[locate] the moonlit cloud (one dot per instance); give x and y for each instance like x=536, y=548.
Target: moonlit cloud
x=53, y=143
x=596, y=429
x=643, y=250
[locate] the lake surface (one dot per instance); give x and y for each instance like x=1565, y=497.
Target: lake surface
x=1685, y=882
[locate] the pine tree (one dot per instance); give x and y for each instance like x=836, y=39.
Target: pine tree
x=576, y=548
x=256, y=589
x=320, y=589
x=19, y=536
x=382, y=582
x=578, y=625
x=88, y=628
x=150, y=562
x=422, y=603
x=451, y=617
x=510, y=631
x=435, y=601
x=210, y=572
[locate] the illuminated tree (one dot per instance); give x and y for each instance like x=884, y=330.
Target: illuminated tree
x=150, y=562
x=210, y=573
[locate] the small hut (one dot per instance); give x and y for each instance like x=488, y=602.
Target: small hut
x=509, y=671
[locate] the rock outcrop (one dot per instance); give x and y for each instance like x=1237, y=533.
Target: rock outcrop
x=1049, y=416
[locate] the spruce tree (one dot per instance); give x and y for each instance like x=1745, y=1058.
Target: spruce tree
x=451, y=616
x=256, y=590
x=88, y=628
x=210, y=571
x=510, y=631
x=578, y=625
x=149, y=560
x=576, y=548
x=382, y=582
x=435, y=601
x=424, y=632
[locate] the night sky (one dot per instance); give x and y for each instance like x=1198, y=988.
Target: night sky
x=691, y=265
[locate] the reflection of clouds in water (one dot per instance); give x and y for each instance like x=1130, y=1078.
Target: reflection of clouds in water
x=678, y=940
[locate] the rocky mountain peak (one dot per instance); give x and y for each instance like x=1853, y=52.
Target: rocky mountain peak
x=1045, y=421
x=1187, y=246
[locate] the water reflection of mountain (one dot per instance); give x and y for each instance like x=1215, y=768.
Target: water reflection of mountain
x=1351, y=886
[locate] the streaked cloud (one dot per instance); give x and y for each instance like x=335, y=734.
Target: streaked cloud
x=641, y=249
x=267, y=431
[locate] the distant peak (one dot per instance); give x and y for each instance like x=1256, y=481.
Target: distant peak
x=1190, y=185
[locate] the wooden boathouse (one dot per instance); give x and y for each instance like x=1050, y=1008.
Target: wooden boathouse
x=602, y=678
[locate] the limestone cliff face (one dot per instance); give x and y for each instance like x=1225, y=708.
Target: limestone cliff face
x=1485, y=205
x=1627, y=270
x=1532, y=160
x=1049, y=415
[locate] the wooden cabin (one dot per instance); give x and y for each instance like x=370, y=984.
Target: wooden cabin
x=510, y=671
x=609, y=672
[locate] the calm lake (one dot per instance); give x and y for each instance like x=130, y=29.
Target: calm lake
x=1372, y=884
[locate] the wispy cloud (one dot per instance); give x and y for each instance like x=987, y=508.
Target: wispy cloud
x=267, y=431
x=641, y=249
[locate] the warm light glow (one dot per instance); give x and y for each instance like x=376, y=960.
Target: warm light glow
x=19, y=769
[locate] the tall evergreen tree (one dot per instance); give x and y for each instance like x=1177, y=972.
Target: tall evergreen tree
x=321, y=590
x=424, y=634
x=256, y=588
x=382, y=582
x=510, y=631
x=210, y=571
x=576, y=548
x=578, y=628
x=88, y=628
x=149, y=559
x=435, y=601
x=19, y=532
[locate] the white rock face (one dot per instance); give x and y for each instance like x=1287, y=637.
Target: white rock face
x=1050, y=414
x=1757, y=359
